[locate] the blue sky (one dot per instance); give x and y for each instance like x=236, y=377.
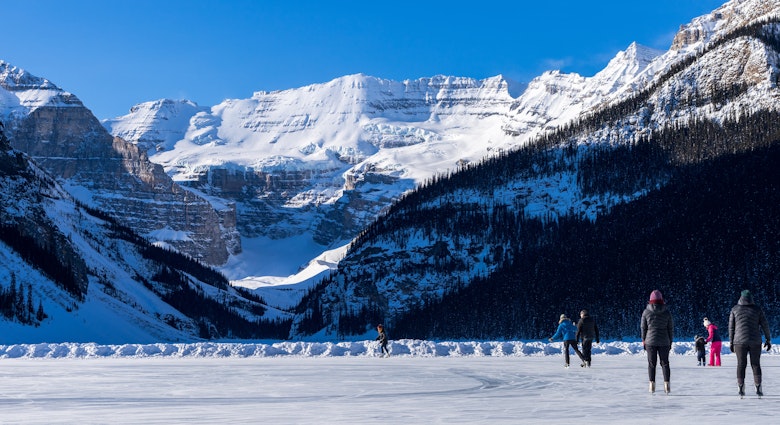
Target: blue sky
x=113, y=54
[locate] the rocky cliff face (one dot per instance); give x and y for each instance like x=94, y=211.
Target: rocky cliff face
x=58, y=132
x=732, y=15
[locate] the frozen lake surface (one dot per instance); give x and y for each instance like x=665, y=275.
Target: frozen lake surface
x=403, y=389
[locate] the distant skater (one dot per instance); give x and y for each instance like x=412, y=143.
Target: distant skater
x=568, y=332
x=382, y=338
x=746, y=324
x=587, y=332
x=657, y=335
x=700, y=350
x=713, y=337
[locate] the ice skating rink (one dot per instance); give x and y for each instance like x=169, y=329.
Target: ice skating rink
x=370, y=390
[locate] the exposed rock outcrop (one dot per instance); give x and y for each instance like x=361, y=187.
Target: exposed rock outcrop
x=58, y=132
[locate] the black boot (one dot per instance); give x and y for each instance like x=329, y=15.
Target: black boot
x=741, y=390
x=759, y=392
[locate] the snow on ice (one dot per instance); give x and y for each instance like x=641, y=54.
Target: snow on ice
x=424, y=382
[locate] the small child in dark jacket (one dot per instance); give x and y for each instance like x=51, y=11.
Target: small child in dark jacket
x=700, y=350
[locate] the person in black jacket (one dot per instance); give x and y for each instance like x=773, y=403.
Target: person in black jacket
x=382, y=338
x=746, y=324
x=587, y=332
x=657, y=335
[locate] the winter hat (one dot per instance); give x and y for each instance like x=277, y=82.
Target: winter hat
x=707, y=322
x=656, y=297
x=563, y=317
x=746, y=295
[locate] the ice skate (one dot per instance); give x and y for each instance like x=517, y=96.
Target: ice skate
x=667, y=389
x=759, y=391
x=741, y=391
x=652, y=387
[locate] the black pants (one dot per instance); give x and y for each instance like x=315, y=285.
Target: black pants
x=587, y=344
x=384, y=347
x=742, y=351
x=701, y=356
x=654, y=353
x=573, y=344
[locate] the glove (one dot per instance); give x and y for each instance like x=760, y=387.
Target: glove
x=550, y=339
x=731, y=347
x=598, y=342
x=767, y=345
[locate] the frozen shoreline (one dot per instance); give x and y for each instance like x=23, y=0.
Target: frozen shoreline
x=402, y=348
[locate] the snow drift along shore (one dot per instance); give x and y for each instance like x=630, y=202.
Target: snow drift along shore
x=404, y=347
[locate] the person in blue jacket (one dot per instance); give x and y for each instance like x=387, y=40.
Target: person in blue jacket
x=568, y=332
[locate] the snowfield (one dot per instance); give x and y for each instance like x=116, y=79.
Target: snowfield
x=423, y=382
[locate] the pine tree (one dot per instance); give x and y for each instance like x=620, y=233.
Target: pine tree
x=30, y=311
x=40, y=315
x=12, y=296
x=19, y=305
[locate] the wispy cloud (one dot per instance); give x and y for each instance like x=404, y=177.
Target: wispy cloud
x=557, y=63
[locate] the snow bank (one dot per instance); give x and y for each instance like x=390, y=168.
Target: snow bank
x=404, y=347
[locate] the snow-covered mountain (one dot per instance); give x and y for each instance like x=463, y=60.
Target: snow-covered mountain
x=686, y=105
x=311, y=167
x=53, y=127
x=293, y=176
x=72, y=273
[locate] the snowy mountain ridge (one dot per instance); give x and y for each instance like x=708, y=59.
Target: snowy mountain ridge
x=348, y=147
x=726, y=81
x=23, y=92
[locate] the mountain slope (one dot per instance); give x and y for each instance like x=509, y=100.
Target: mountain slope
x=715, y=99
x=71, y=273
x=53, y=127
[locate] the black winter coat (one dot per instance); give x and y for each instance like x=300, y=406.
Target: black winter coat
x=382, y=337
x=587, y=328
x=657, y=326
x=746, y=323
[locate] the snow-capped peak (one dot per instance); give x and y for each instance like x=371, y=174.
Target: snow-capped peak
x=15, y=78
x=21, y=90
x=155, y=125
x=623, y=69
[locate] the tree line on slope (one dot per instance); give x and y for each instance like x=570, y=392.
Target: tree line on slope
x=674, y=154
x=178, y=279
x=17, y=303
x=711, y=232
